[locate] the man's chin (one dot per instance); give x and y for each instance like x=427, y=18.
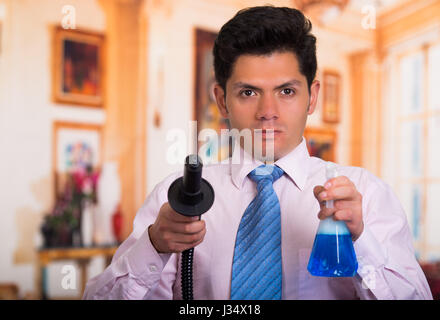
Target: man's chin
x=267, y=151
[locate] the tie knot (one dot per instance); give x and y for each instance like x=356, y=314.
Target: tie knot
x=266, y=172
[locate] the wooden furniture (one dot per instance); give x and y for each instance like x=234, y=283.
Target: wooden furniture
x=81, y=255
x=8, y=291
x=432, y=273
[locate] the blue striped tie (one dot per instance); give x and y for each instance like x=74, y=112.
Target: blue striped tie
x=256, y=270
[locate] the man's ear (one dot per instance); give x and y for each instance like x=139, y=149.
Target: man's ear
x=314, y=91
x=220, y=97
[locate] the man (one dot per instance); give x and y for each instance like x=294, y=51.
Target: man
x=265, y=65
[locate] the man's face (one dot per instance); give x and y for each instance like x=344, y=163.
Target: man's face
x=269, y=92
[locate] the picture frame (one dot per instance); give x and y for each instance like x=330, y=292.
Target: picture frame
x=331, y=96
x=206, y=112
x=78, y=76
x=321, y=143
x=75, y=146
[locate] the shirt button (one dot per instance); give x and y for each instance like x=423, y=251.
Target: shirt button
x=153, y=268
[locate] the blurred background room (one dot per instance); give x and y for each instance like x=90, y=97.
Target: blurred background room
x=95, y=95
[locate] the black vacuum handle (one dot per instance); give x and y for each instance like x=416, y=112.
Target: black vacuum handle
x=192, y=174
x=191, y=195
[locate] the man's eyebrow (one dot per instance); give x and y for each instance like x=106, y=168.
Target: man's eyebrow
x=240, y=84
x=244, y=85
x=293, y=83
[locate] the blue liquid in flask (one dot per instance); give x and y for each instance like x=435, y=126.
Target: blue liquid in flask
x=333, y=254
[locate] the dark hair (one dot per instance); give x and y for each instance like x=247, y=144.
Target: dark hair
x=262, y=31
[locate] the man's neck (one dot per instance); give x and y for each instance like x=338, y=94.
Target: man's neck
x=268, y=160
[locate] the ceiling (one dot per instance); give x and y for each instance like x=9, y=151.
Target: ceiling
x=380, y=5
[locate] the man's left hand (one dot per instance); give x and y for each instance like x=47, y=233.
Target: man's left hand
x=347, y=203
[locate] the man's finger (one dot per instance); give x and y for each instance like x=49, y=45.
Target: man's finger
x=339, y=193
x=180, y=247
x=343, y=215
x=326, y=212
x=344, y=204
x=316, y=191
x=191, y=239
x=188, y=228
x=338, y=181
x=175, y=216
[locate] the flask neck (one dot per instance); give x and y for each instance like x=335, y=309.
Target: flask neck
x=330, y=226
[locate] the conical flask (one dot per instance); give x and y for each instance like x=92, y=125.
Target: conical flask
x=333, y=254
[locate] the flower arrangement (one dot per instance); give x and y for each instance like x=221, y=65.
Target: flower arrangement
x=61, y=227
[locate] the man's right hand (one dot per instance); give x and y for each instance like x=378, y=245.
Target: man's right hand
x=173, y=232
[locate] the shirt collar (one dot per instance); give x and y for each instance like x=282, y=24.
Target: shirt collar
x=295, y=164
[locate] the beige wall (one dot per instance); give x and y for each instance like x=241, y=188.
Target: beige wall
x=26, y=116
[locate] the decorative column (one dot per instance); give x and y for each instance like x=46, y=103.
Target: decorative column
x=125, y=127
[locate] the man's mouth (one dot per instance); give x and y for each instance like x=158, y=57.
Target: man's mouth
x=267, y=133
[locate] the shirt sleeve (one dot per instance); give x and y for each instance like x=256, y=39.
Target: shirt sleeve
x=387, y=267
x=137, y=269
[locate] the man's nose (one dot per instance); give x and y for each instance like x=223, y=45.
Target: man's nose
x=267, y=107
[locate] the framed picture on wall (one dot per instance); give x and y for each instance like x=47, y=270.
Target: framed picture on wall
x=76, y=148
x=206, y=112
x=321, y=143
x=331, y=96
x=78, y=67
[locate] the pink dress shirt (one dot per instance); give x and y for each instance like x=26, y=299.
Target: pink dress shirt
x=387, y=265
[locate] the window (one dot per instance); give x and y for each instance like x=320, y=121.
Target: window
x=419, y=146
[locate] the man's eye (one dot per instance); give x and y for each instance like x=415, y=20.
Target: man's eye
x=247, y=93
x=287, y=91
